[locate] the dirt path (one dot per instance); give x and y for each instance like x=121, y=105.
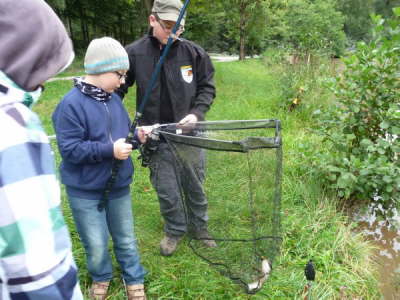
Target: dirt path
x=60, y=78
x=224, y=58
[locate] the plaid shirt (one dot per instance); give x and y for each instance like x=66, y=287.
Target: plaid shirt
x=35, y=250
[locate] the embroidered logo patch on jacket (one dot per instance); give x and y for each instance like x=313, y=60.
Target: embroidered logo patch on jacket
x=187, y=73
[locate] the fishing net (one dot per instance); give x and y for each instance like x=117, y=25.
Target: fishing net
x=242, y=183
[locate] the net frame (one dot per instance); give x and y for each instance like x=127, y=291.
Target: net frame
x=193, y=135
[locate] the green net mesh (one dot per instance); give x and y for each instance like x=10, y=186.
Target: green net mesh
x=243, y=187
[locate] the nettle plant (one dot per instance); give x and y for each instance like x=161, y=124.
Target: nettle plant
x=362, y=131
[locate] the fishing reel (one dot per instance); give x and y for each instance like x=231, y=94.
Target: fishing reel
x=147, y=149
x=153, y=140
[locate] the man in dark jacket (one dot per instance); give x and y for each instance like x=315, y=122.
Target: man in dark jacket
x=183, y=94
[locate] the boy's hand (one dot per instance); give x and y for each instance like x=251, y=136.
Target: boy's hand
x=122, y=150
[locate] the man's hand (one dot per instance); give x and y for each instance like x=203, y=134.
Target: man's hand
x=187, y=123
x=122, y=150
x=143, y=132
x=190, y=118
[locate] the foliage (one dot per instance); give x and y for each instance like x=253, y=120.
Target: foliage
x=245, y=24
x=357, y=24
x=246, y=27
x=204, y=25
x=124, y=20
x=362, y=129
x=57, y=5
x=314, y=26
x=255, y=41
x=385, y=7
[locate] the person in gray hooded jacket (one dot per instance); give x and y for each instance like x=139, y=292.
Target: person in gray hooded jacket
x=35, y=249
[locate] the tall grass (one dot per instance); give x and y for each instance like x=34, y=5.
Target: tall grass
x=312, y=227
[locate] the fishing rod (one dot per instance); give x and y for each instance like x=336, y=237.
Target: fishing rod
x=130, y=138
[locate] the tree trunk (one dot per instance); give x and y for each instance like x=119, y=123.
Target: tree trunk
x=84, y=27
x=71, y=32
x=68, y=18
x=242, y=54
x=148, y=5
x=242, y=30
x=86, y=31
x=121, y=30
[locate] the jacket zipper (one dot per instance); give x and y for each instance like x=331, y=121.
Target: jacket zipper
x=109, y=122
x=109, y=126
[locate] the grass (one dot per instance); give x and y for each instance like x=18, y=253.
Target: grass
x=311, y=225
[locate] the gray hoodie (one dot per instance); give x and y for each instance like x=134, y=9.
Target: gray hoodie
x=34, y=44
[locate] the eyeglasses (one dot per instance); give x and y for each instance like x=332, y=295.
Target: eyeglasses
x=121, y=76
x=168, y=25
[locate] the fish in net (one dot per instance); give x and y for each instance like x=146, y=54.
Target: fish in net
x=241, y=179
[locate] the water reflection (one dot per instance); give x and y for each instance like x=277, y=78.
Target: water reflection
x=386, y=235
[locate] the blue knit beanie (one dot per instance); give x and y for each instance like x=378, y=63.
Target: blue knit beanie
x=105, y=55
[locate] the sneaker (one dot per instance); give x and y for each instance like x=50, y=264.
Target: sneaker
x=98, y=290
x=135, y=292
x=205, y=238
x=168, y=244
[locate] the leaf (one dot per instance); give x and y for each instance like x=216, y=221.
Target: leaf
x=387, y=179
x=396, y=130
x=381, y=151
x=396, y=11
x=365, y=172
x=384, y=125
x=366, y=142
x=334, y=169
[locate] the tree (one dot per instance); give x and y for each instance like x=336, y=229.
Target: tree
x=124, y=20
x=57, y=5
x=357, y=24
x=148, y=4
x=243, y=17
x=314, y=26
x=385, y=7
x=205, y=24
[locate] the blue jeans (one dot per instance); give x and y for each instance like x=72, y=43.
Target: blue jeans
x=94, y=229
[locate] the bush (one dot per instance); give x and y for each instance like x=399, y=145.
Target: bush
x=314, y=27
x=362, y=131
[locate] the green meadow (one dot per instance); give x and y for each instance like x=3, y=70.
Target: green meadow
x=312, y=226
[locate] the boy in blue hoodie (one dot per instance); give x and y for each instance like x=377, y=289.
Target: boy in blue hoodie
x=91, y=125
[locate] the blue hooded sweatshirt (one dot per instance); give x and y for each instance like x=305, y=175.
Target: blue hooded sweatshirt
x=86, y=130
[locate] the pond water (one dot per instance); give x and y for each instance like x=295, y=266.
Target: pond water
x=386, y=235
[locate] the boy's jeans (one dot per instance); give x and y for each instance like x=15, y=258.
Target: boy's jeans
x=94, y=227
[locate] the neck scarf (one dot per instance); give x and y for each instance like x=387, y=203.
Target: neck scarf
x=11, y=92
x=90, y=90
